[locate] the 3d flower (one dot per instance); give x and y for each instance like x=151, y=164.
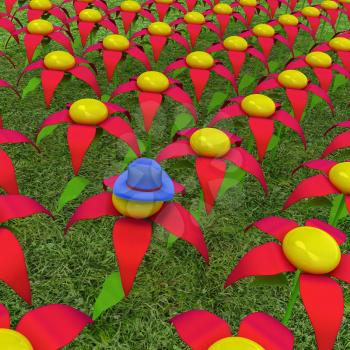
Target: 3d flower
x=159, y=33
x=312, y=250
x=335, y=179
x=152, y=86
x=129, y=10
x=200, y=65
x=84, y=117
x=332, y=10
x=48, y=327
x=163, y=6
x=340, y=141
x=250, y=7
x=345, y=7
x=313, y=17
x=195, y=21
x=37, y=8
x=113, y=47
x=38, y=30
x=237, y=49
x=55, y=65
x=138, y=197
x=322, y=66
x=262, y=112
x=266, y=36
x=202, y=330
x=80, y=5
x=90, y=19
x=296, y=85
x=7, y=24
x=212, y=148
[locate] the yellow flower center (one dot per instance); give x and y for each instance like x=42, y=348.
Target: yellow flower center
x=329, y=5
x=222, y=9
x=194, y=18
x=248, y=2
x=40, y=26
x=200, y=59
x=210, y=142
x=59, y=60
x=264, y=30
x=130, y=6
x=311, y=250
x=288, y=20
x=257, y=105
x=339, y=176
x=153, y=81
x=42, y=5
x=89, y=1
x=168, y=2
x=136, y=209
x=340, y=44
x=310, y=11
x=12, y=340
x=88, y=111
x=292, y=79
x=239, y=343
x=159, y=28
x=116, y=42
x=235, y=43
x=318, y=59
x=90, y=15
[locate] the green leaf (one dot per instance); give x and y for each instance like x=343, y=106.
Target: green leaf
x=276, y=280
x=245, y=82
x=179, y=71
x=216, y=101
x=339, y=81
x=319, y=202
x=182, y=121
x=48, y=130
x=273, y=65
x=171, y=240
x=105, y=98
x=31, y=86
x=131, y=155
x=111, y=294
x=273, y=143
x=315, y=100
x=338, y=210
x=233, y=176
x=72, y=190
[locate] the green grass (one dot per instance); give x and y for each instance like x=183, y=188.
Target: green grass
x=71, y=269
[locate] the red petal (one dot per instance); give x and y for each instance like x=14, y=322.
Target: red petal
x=84, y=74
x=85, y=29
x=8, y=181
x=315, y=89
x=221, y=70
x=55, y=118
x=200, y=329
x=268, y=83
x=237, y=60
x=297, y=63
x=199, y=79
x=339, y=142
x=62, y=40
x=13, y=270
x=325, y=76
x=131, y=239
x=4, y=317
x=180, y=40
x=292, y=33
x=264, y=260
x=50, y=80
x=249, y=12
x=158, y=43
x=229, y=111
x=149, y=104
x=162, y=10
x=177, y=220
x=109, y=25
x=223, y=21
x=179, y=63
x=176, y=149
x=314, y=24
x=58, y=13
x=9, y=5
x=266, y=45
x=345, y=58
x=140, y=55
x=124, y=88
x=194, y=30
x=338, y=235
x=127, y=18
x=275, y=226
x=342, y=271
x=13, y=136
x=266, y=331
x=31, y=42
x=323, y=301
x=319, y=164
x=298, y=100
x=53, y=326
x=109, y=181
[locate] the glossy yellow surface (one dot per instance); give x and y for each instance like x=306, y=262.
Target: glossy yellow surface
x=235, y=343
x=40, y=26
x=194, y=17
x=88, y=111
x=168, y=2
x=248, y=2
x=43, y=5
x=12, y=340
x=59, y=60
x=90, y=15
x=222, y=9
x=258, y=105
x=288, y=20
x=153, y=81
x=159, y=28
x=116, y=42
x=310, y=11
x=292, y=79
x=329, y=5
x=311, y=250
x=318, y=59
x=235, y=43
x=130, y=6
x=210, y=142
x=339, y=176
x=200, y=59
x=89, y=1
x=264, y=30
x=136, y=209
x=340, y=44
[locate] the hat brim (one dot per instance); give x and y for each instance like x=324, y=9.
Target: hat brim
x=165, y=193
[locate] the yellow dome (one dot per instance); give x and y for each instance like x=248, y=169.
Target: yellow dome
x=168, y=2
x=159, y=28
x=194, y=17
x=42, y=5
x=40, y=26
x=88, y=111
x=200, y=59
x=310, y=11
x=235, y=343
x=329, y=5
x=235, y=43
x=339, y=176
x=222, y=9
x=340, y=44
x=264, y=30
x=153, y=81
x=90, y=15
x=318, y=59
x=248, y=2
x=59, y=60
x=130, y=6
x=13, y=340
x=116, y=42
x=288, y=20
x=292, y=79
x=258, y=105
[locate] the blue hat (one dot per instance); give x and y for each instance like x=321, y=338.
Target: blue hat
x=144, y=181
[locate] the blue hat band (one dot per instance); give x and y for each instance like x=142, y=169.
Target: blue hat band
x=143, y=190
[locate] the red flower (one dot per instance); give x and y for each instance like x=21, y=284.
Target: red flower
x=163, y=6
x=340, y=141
x=251, y=7
x=48, y=327
x=6, y=23
x=314, y=250
x=212, y=147
x=83, y=125
x=202, y=330
x=80, y=5
x=9, y=5
x=331, y=8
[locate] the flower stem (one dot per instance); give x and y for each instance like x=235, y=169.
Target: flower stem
x=293, y=298
x=337, y=208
